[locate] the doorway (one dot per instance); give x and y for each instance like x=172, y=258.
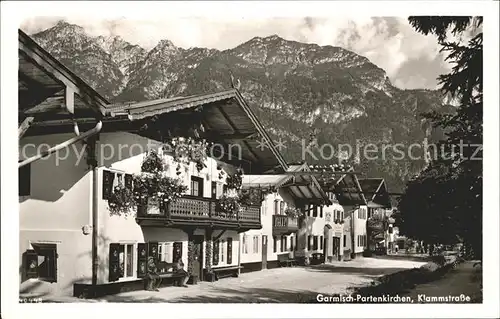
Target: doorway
x=326, y=243
x=336, y=248
x=197, y=267
x=264, y=251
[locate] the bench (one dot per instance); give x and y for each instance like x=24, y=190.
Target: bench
x=222, y=272
x=165, y=271
x=284, y=259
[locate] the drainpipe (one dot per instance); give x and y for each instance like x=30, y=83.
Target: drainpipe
x=95, y=216
x=65, y=144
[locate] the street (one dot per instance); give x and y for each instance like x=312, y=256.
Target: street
x=292, y=285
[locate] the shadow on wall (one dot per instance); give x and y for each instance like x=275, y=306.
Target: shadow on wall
x=45, y=187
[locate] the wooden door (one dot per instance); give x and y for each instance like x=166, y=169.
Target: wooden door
x=197, y=267
x=264, y=251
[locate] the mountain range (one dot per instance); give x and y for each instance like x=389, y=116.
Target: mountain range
x=299, y=91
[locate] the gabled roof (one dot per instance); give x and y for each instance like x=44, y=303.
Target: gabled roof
x=306, y=186
x=42, y=85
x=375, y=190
x=348, y=191
x=225, y=115
x=303, y=187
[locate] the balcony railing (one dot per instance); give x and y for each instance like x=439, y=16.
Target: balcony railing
x=284, y=225
x=196, y=211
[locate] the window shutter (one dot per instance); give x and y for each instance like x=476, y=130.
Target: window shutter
x=25, y=180
x=215, y=260
x=275, y=244
x=128, y=181
x=142, y=260
x=321, y=242
x=309, y=238
x=53, y=259
x=107, y=183
x=114, y=262
x=229, y=250
x=177, y=253
x=31, y=264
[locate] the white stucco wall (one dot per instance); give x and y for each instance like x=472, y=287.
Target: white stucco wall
x=359, y=225
x=56, y=210
x=60, y=204
x=267, y=212
x=121, y=229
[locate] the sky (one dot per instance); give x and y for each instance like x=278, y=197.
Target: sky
x=410, y=59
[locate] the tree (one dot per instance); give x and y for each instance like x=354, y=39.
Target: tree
x=443, y=204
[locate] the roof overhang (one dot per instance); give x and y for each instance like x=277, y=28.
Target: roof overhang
x=348, y=191
x=376, y=191
x=47, y=90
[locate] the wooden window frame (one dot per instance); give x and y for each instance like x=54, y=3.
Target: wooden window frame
x=33, y=267
x=200, y=182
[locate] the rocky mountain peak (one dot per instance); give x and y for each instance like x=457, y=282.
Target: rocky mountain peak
x=292, y=87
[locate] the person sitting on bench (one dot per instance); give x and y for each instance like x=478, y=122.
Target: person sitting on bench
x=179, y=269
x=154, y=279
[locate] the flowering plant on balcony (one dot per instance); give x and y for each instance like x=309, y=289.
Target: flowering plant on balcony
x=228, y=204
x=150, y=184
x=235, y=180
x=157, y=187
x=293, y=212
x=186, y=150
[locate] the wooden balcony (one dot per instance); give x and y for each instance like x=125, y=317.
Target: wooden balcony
x=284, y=225
x=190, y=211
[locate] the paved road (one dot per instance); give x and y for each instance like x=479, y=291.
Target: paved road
x=295, y=284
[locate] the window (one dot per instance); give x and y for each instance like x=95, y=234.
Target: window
x=121, y=261
x=362, y=241
x=275, y=244
x=315, y=211
x=309, y=240
x=196, y=186
x=291, y=243
x=255, y=244
x=165, y=252
x=345, y=240
x=25, y=180
x=41, y=262
x=296, y=243
x=282, y=208
x=245, y=244
x=283, y=243
x=321, y=242
x=341, y=215
x=315, y=243
x=276, y=207
x=321, y=212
